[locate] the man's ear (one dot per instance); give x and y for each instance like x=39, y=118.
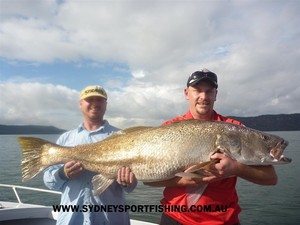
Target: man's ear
x=186, y=93
x=216, y=95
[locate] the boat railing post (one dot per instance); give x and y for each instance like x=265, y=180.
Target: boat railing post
x=16, y=194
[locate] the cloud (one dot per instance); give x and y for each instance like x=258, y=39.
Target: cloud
x=38, y=104
x=48, y=104
x=251, y=45
x=146, y=35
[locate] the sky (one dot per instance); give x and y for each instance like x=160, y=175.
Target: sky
x=142, y=52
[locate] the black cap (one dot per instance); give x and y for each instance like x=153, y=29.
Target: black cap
x=203, y=74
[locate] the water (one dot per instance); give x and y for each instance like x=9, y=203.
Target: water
x=264, y=205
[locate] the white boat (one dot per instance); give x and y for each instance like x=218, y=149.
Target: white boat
x=19, y=213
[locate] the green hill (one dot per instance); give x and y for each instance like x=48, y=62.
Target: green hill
x=281, y=122
x=29, y=129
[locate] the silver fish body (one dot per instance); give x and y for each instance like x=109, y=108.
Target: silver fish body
x=157, y=153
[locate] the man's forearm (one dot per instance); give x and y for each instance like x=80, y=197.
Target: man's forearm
x=263, y=175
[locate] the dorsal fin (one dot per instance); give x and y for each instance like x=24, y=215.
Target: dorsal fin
x=135, y=129
x=127, y=131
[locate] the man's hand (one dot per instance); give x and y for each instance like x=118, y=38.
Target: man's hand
x=226, y=167
x=72, y=169
x=126, y=177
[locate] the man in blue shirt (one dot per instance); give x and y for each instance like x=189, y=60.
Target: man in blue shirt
x=75, y=182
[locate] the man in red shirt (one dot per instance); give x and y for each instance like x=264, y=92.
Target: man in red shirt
x=219, y=201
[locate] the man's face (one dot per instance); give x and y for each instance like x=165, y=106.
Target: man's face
x=201, y=98
x=93, y=107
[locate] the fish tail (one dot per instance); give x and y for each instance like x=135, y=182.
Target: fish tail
x=32, y=150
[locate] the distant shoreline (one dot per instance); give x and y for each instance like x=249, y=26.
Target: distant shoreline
x=280, y=122
x=29, y=129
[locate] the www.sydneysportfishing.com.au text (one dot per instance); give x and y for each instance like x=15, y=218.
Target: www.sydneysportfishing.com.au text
x=139, y=208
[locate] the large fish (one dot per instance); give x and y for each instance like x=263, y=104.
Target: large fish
x=157, y=153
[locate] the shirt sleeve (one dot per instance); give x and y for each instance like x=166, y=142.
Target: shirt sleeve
x=51, y=178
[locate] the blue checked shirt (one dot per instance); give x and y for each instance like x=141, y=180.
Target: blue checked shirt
x=78, y=191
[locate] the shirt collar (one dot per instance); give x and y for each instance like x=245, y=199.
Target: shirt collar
x=189, y=115
x=101, y=128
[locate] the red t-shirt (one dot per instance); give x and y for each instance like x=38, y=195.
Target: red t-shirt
x=218, y=203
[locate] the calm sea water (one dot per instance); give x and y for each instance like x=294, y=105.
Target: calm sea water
x=264, y=205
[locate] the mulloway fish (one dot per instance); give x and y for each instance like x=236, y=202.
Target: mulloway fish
x=158, y=153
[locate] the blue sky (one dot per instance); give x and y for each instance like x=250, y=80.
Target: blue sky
x=142, y=52
x=76, y=75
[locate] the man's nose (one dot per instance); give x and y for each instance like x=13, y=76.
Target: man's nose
x=202, y=95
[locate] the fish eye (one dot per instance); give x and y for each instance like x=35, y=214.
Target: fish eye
x=265, y=137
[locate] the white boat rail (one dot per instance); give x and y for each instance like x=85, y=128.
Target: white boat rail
x=15, y=187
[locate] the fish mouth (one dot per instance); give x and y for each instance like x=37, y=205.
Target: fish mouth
x=276, y=152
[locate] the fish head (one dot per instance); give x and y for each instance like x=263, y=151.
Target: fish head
x=263, y=148
x=252, y=147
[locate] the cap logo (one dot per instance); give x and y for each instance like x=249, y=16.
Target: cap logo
x=94, y=90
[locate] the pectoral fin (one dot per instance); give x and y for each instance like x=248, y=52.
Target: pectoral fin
x=193, y=194
x=201, y=166
x=197, y=170
x=188, y=175
x=100, y=183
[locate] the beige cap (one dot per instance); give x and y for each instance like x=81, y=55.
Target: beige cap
x=93, y=91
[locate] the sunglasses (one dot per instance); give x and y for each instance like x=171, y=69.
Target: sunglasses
x=200, y=75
